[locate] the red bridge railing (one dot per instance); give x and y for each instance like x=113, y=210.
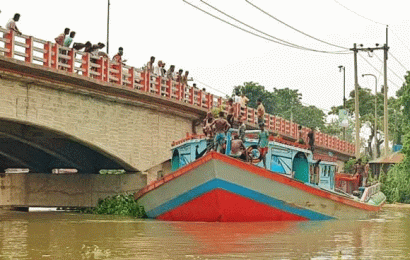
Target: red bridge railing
x=51, y=55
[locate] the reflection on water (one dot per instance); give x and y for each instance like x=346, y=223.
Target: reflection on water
x=57, y=235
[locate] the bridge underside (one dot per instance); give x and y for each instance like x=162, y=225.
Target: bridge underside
x=41, y=150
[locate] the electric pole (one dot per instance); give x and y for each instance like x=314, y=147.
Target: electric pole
x=356, y=95
x=356, y=104
x=108, y=26
x=386, y=115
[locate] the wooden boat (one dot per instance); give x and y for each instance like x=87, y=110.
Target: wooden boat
x=217, y=187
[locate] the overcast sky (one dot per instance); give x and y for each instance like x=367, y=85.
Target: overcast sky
x=222, y=56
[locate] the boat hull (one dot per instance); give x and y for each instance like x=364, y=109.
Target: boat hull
x=220, y=188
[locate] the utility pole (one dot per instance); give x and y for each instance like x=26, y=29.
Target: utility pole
x=356, y=104
x=375, y=108
x=341, y=67
x=356, y=98
x=386, y=115
x=108, y=26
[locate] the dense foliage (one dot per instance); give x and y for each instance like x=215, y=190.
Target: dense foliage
x=396, y=183
x=285, y=103
x=124, y=205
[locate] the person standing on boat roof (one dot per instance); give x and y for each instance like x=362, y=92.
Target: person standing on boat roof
x=366, y=174
x=260, y=112
x=208, y=131
x=221, y=126
x=263, y=143
x=242, y=128
x=11, y=24
x=311, y=136
x=244, y=103
x=231, y=111
x=300, y=138
x=359, y=170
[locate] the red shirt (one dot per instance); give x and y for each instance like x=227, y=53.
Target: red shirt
x=117, y=57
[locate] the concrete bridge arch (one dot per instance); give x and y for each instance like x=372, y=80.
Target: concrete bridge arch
x=41, y=149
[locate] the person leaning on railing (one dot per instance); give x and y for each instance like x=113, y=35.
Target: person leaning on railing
x=158, y=69
x=60, y=38
x=11, y=24
x=170, y=72
x=150, y=65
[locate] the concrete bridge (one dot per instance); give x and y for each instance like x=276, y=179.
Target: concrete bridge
x=75, y=111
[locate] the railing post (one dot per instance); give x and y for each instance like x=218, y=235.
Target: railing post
x=71, y=61
x=131, y=78
x=47, y=55
x=100, y=70
x=183, y=88
x=9, y=43
x=29, y=49
x=158, y=85
x=86, y=64
x=119, y=74
x=147, y=81
x=54, y=55
x=210, y=101
x=200, y=98
x=106, y=71
x=191, y=98
x=169, y=88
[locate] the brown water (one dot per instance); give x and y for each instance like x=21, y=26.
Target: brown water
x=59, y=235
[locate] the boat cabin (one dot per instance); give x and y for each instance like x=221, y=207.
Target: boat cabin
x=284, y=157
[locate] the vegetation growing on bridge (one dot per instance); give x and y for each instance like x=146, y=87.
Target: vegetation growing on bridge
x=124, y=205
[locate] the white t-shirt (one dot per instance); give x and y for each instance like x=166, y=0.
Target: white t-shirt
x=11, y=24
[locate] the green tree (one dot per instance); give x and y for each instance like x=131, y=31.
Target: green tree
x=367, y=115
x=396, y=183
x=285, y=103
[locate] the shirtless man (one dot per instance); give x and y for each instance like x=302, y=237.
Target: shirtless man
x=238, y=149
x=231, y=111
x=221, y=126
x=208, y=131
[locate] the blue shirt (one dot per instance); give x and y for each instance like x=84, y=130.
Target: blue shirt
x=68, y=40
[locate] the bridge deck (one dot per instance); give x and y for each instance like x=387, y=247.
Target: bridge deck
x=40, y=59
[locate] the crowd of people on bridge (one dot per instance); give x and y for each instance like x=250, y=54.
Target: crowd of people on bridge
x=66, y=39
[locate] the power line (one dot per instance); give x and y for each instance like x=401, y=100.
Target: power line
x=260, y=36
x=359, y=14
x=294, y=27
x=213, y=7
x=400, y=40
x=398, y=61
x=394, y=73
x=211, y=87
x=376, y=69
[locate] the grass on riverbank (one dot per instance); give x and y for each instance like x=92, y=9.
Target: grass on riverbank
x=123, y=205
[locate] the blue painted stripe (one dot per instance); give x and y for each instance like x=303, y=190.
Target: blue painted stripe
x=239, y=190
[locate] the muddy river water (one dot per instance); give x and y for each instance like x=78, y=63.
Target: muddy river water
x=62, y=235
